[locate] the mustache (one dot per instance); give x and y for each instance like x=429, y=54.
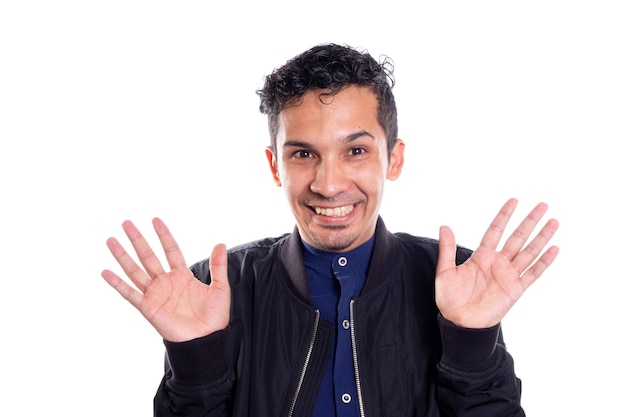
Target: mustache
x=334, y=201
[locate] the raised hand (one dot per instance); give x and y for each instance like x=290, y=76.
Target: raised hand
x=479, y=293
x=180, y=307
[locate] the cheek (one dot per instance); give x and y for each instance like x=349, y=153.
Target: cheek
x=370, y=177
x=293, y=184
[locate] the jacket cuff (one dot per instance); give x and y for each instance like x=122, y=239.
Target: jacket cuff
x=470, y=350
x=198, y=361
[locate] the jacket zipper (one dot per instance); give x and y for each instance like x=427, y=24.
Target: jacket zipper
x=359, y=392
x=306, y=364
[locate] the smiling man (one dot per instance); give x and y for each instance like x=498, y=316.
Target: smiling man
x=341, y=317
x=332, y=159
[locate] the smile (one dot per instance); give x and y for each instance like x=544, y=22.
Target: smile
x=334, y=211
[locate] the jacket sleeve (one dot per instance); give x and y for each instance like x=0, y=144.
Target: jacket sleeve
x=197, y=381
x=476, y=377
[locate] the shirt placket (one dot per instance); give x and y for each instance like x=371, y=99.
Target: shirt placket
x=345, y=386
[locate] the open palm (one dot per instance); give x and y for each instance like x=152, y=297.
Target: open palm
x=479, y=293
x=179, y=306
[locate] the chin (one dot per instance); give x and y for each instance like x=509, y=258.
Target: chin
x=333, y=243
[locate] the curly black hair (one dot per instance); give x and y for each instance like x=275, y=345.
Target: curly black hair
x=330, y=67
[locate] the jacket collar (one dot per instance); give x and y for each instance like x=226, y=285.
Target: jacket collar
x=379, y=268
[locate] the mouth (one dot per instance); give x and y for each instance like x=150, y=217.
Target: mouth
x=334, y=211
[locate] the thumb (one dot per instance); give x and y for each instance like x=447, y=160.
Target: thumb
x=218, y=265
x=447, y=249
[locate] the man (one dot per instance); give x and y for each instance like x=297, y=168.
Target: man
x=340, y=317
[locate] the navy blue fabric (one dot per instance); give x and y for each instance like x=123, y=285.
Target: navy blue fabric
x=334, y=279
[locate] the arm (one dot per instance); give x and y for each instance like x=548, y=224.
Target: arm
x=476, y=377
x=476, y=373
x=192, y=317
x=197, y=381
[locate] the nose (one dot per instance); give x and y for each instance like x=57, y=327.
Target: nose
x=330, y=179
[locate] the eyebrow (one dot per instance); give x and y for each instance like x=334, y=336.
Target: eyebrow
x=351, y=137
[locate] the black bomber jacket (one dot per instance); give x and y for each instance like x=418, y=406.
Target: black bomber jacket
x=269, y=362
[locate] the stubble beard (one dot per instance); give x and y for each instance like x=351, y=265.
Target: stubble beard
x=337, y=242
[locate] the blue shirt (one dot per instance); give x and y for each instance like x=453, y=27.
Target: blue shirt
x=334, y=279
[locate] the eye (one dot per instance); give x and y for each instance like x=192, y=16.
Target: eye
x=301, y=154
x=357, y=151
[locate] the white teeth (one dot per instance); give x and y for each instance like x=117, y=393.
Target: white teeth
x=334, y=212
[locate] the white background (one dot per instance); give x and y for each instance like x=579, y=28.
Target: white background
x=133, y=109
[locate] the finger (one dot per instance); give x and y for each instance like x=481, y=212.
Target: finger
x=173, y=254
x=539, y=267
x=129, y=266
x=494, y=232
x=218, y=265
x=447, y=250
x=530, y=253
x=144, y=252
x=519, y=237
x=126, y=291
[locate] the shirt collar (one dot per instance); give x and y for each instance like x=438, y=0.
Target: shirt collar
x=358, y=257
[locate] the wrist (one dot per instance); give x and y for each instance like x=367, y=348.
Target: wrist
x=198, y=361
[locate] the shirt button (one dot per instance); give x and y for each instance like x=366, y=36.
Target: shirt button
x=342, y=261
x=346, y=324
x=346, y=398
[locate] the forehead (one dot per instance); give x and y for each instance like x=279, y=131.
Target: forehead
x=320, y=115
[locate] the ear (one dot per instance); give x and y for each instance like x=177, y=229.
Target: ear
x=396, y=161
x=271, y=159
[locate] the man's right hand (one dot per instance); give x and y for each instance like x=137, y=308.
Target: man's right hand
x=179, y=306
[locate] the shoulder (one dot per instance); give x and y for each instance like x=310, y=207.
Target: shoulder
x=257, y=247
x=245, y=253
x=426, y=246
